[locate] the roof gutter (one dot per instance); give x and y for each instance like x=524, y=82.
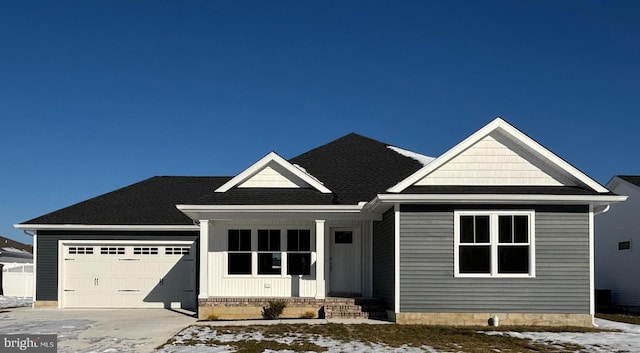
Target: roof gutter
x=228, y=212
x=88, y=227
x=525, y=199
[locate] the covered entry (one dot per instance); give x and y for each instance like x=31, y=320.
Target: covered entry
x=127, y=275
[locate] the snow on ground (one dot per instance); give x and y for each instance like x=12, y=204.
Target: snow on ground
x=204, y=334
x=627, y=340
x=14, y=302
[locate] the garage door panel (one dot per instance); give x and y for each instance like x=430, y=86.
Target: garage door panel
x=129, y=276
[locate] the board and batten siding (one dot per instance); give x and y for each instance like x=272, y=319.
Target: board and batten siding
x=427, y=282
x=47, y=252
x=384, y=259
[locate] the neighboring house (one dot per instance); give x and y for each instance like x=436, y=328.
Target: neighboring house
x=16, y=268
x=14, y=253
x=618, y=245
x=496, y=226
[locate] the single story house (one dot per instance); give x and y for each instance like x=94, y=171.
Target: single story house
x=617, y=239
x=496, y=226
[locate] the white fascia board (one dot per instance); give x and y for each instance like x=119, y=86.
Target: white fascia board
x=498, y=124
x=123, y=227
x=262, y=163
x=499, y=198
x=354, y=212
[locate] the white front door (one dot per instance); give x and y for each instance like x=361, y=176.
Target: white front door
x=346, y=272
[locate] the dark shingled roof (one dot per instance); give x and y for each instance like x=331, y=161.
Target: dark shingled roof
x=149, y=202
x=356, y=168
x=540, y=190
x=633, y=179
x=265, y=196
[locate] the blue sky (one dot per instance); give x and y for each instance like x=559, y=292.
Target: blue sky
x=96, y=95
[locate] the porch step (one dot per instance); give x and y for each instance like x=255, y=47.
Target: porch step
x=355, y=308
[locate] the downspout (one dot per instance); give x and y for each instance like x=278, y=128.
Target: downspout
x=592, y=215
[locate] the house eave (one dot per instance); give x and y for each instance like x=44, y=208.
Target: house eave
x=106, y=227
x=235, y=212
x=595, y=200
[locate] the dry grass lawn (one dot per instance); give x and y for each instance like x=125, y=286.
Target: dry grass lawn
x=442, y=338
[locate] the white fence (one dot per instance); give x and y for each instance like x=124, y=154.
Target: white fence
x=18, y=281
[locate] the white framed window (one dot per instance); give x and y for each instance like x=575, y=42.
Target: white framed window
x=269, y=252
x=239, y=256
x=269, y=255
x=299, y=252
x=494, y=243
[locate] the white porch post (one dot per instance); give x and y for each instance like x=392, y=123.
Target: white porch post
x=204, y=259
x=320, y=282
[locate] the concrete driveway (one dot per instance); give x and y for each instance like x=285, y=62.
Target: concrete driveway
x=99, y=330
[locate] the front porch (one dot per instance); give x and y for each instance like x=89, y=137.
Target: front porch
x=302, y=308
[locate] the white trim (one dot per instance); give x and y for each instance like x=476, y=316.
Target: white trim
x=272, y=208
x=294, y=212
x=592, y=300
x=203, y=273
x=320, y=260
x=494, y=243
x=396, y=231
x=262, y=163
x=105, y=227
x=509, y=130
x=494, y=198
x=35, y=267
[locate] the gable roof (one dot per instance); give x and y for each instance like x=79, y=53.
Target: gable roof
x=149, y=202
x=357, y=168
x=7, y=244
x=633, y=179
x=559, y=172
x=287, y=171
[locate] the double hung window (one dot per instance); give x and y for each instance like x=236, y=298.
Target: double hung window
x=298, y=252
x=239, y=258
x=494, y=243
x=269, y=256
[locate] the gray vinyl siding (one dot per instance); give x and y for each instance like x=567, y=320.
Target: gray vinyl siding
x=561, y=285
x=384, y=259
x=47, y=253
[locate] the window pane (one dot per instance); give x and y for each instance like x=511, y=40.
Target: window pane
x=505, y=230
x=245, y=240
x=269, y=264
x=234, y=240
x=521, y=229
x=475, y=259
x=344, y=237
x=299, y=264
x=269, y=240
x=513, y=259
x=292, y=240
x=305, y=240
x=239, y=264
x=482, y=229
x=263, y=240
x=466, y=229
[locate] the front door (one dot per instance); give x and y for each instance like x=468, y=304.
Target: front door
x=345, y=262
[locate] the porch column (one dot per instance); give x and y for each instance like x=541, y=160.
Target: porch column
x=320, y=282
x=204, y=259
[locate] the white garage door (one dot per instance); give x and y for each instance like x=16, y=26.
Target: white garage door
x=141, y=275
